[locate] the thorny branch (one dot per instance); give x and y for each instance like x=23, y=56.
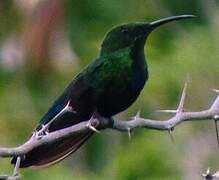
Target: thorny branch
x=180, y=116
x=100, y=123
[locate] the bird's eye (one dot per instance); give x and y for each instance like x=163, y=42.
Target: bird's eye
x=124, y=30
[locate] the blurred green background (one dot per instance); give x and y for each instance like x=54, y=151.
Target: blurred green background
x=45, y=43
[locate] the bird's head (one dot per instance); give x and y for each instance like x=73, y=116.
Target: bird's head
x=132, y=34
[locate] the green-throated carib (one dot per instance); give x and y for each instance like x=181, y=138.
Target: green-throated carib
x=108, y=85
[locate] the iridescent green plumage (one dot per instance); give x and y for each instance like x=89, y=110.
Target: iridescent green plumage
x=109, y=85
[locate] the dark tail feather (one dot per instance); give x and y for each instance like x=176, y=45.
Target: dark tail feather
x=49, y=154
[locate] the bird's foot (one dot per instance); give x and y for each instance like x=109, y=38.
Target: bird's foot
x=92, y=124
x=91, y=127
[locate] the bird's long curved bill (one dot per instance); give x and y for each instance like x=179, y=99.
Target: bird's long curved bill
x=159, y=22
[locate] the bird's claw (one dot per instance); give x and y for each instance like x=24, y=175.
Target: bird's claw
x=91, y=127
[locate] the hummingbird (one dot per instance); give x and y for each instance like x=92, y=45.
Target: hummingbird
x=108, y=85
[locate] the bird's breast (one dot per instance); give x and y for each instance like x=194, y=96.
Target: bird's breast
x=122, y=89
x=139, y=79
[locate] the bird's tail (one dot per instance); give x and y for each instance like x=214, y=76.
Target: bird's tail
x=49, y=154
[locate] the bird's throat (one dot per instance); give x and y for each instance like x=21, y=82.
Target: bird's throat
x=138, y=58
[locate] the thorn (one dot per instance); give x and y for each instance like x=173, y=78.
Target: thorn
x=42, y=132
x=171, y=136
x=34, y=133
x=17, y=166
x=206, y=173
x=69, y=108
x=215, y=90
x=208, y=170
x=129, y=133
x=46, y=132
x=216, y=129
x=216, y=118
x=181, y=103
x=167, y=111
x=44, y=128
x=15, y=175
x=138, y=114
x=93, y=129
x=182, y=99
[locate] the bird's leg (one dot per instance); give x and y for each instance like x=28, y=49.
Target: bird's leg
x=45, y=128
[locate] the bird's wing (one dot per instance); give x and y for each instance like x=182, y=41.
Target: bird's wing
x=78, y=87
x=52, y=153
